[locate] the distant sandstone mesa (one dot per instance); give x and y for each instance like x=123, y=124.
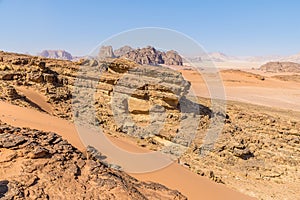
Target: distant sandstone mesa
x=281, y=67
x=144, y=56
x=123, y=50
x=106, y=52
x=56, y=54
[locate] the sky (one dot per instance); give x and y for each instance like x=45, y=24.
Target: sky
x=234, y=27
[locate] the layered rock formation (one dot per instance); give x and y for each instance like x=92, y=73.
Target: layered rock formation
x=281, y=67
x=123, y=50
x=151, y=56
x=106, y=52
x=41, y=165
x=135, y=92
x=34, y=72
x=56, y=54
x=172, y=58
x=144, y=56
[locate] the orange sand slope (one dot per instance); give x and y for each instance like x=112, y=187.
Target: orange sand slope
x=173, y=176
x=36, y=98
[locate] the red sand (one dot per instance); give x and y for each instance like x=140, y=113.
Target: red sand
x=174, y=176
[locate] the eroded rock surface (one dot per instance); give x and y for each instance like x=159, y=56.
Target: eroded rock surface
x=150, y=56
x=41, y=165
x=106, y=52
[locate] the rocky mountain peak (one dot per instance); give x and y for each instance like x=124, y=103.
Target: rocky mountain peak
x=56, y=54
x=151, y=56
x=106, y=52
x=123, y=50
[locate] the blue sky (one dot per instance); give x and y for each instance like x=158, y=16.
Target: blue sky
x=235, y=27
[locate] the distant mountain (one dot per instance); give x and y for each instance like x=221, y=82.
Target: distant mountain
x=262, y=59
x=145, y=56
x=123, y=50
x=274, y=58
x=151, y=56
x=213, y=56
x=293, y=58
x=106, y=52
x=221, y=57
x=56, y=54
x=281, y=67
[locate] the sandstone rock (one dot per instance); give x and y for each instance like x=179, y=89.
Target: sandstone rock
x=38, y=152
x=10, y=141
x=36, y=77
x=71, y=176
x=8, y=76
x=3, y=188
x=56, y=54
x=145, y=56
x=50, y=78
x=151, y=56
x=106, y=52
x=281, y=67
x=20, y=61
x=11, y=92
x=94, y=154
x=172, y=58
x=123, y=50
x=245, y=154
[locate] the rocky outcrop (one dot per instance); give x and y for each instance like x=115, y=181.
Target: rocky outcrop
x=172, y=58
x=151, y=56
x=11, y=92
x=144, y=56
x=281, y=67
x=123, y=50
x=135, y=91
x=41, y=165
x=106, y=52
x=56, y=54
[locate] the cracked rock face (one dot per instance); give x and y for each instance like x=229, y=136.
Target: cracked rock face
x=41, y=165
x=106, y=52
x=151, y=56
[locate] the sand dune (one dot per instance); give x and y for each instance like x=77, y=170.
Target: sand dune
x=173, y=176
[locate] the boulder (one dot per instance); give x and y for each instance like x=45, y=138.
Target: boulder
x=11, y=92
x=8, y=76
x=50, y=78
x=35, y=77
x=38, y=152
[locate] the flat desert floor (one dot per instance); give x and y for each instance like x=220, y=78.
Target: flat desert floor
x=251, y=86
